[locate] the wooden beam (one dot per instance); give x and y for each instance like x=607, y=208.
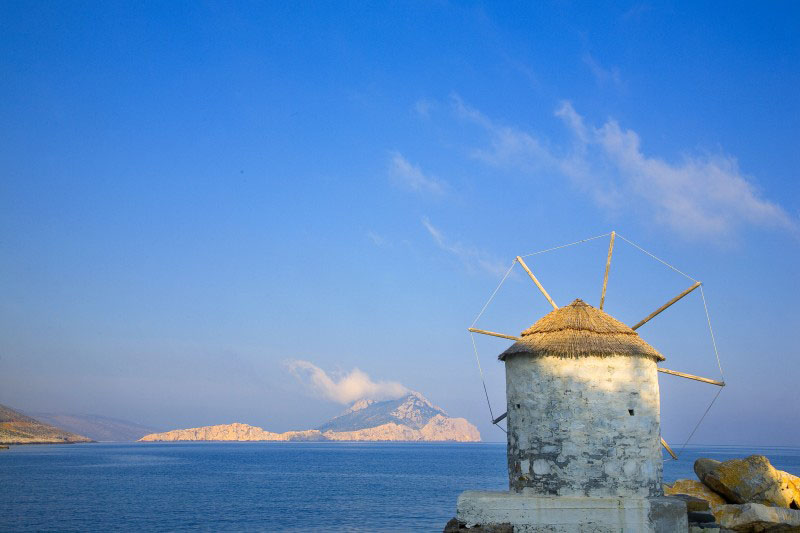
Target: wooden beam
x=500, y=418
x=493, y=334
x=608, y=266
x=691, y=376
x=669, y=450
x=536, y=281
x=669, y=303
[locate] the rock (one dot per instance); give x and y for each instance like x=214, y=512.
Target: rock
x=749, y=480
x=694, y=488
x=693, y=504
x=754, y=517
x=455, y=526
x=701, y=517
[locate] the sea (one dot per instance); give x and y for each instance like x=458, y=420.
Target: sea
x=258, y=486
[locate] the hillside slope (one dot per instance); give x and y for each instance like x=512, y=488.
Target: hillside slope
x=17, y=428
x=99, y=428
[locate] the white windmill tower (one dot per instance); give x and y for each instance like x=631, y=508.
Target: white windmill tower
x=583, y=417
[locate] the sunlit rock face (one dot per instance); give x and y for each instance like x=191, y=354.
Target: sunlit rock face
x=583, y=426
x=413, y=411
x=232, y=432
x=438, y=428
x=410, y=418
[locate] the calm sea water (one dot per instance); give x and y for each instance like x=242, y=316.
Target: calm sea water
x=264, y=486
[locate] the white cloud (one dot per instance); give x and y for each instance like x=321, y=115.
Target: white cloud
x=411, y=176
x=701, y=195
x=348, y=388
x=602, y=75
x=469, y=255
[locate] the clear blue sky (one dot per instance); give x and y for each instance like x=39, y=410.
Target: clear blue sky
x=193, y=194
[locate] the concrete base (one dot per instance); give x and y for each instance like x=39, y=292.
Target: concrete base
x=557, y=514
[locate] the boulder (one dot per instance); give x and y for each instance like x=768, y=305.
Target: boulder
x=694, y=505
x=692, y=487
x=749, y=480
x=754, y=517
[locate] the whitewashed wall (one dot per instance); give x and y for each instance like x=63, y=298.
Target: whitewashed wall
x=570, y=427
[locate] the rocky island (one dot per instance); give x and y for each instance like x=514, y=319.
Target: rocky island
x=410, y=418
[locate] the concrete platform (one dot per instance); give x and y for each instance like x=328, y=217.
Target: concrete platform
x=557, y=514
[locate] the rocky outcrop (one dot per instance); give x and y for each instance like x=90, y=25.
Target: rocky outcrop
x=231, y=432
x=749, y=480
x=17, y=428
x=692, y=487
x=754, y=517
x=745, y=495
x=438, y=428
x=410, y=418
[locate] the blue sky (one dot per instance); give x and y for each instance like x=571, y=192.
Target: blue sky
x=194, y=195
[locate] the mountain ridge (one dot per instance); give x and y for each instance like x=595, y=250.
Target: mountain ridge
x=409, y=418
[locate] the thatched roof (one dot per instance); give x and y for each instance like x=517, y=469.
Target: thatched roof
x=577, y=330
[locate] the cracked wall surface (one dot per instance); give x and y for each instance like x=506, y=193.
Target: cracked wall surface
x=586, y=426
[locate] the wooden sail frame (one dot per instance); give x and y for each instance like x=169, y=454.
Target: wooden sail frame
x=494, y=334
x=655, y=313
x=608, y=267
x=691, y=376
x=536, y=281
x=669, y=450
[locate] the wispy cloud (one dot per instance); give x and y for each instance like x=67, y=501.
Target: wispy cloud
x=472, y=257
x=376, y=238
x=424, y=106
x=347, y=388
x=411, y=176
x=701, y=195
x=603, y=76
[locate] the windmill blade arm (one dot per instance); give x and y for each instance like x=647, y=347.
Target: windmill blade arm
x=608, y=267
x=691, y=376
x=500, y=418
x=536, y=281
x=493, y=334
x=669, y=450
x=660, y=309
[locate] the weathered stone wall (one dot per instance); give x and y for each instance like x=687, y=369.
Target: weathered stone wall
x=585, y=426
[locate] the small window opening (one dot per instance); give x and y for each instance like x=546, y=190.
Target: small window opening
x=630, y=412
x=517, y=406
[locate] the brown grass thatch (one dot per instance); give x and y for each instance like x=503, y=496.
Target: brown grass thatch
x=580, y=330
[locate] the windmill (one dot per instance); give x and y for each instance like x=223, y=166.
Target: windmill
x=520, y=339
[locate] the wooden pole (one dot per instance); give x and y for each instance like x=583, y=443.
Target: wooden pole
x=657, y=311
x=691, y=376
x=536, y=281
x=669, y=450
x=493, y=334
x=500, y=418
x=608, y=266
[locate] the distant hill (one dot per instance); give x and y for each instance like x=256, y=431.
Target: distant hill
x=410, y=418
x=412, y=410
x=17, y=428
x=99, y=428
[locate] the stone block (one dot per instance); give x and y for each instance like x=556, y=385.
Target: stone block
x=554, y=514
